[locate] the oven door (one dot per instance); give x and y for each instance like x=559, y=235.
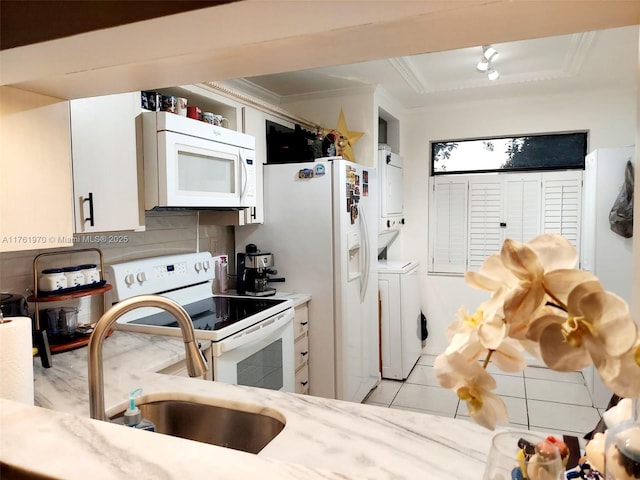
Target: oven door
x=259, y=356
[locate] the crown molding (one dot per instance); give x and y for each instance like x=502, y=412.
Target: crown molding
x=260, y=104
x=253, y=89
x=338, y=92
x=408, y=71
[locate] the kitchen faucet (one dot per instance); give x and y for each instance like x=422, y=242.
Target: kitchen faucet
x=196, y=364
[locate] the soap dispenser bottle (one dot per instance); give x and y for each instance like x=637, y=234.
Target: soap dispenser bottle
x=133, y=415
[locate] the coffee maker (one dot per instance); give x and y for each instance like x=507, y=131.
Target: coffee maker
x=252, y=272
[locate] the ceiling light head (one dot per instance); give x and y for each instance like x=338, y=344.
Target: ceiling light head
x=483, y=64
x=489, y=53
x=493, y=74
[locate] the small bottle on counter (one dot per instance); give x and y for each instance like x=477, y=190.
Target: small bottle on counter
x=133, y=416
x=224, y=275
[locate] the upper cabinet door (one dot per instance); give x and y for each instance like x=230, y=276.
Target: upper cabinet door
x=104, y=146
x=254, y=123
x=35, y=172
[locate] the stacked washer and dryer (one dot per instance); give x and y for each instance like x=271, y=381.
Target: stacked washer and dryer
x=398, y=280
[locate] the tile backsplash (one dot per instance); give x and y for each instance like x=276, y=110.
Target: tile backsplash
x=166, y=233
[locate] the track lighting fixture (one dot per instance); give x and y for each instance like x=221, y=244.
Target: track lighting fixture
x=493, y=74
x=489, y=54
x=482, y=65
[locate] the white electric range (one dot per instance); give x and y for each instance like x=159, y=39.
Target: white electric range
x=246, y=340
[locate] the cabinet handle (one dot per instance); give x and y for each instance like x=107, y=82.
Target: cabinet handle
x=304, y=384
x=304, y=353
x=303, y=323
x=254, y=213
x=90, y=200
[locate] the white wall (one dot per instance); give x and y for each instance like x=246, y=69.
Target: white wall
x=357, y=106
x=610, y=117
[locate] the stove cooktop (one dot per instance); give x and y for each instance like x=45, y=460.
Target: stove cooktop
x=213, y=313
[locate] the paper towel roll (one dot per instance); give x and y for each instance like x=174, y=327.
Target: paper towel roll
x=16, y=360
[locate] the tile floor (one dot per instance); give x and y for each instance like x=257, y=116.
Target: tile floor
x=537, y=399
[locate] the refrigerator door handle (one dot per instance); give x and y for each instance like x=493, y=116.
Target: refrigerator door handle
x=364, y=278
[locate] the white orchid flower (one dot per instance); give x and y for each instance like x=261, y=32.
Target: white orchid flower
x=595, y=327
x=472, y=384
x=530, y=263
x=485, y=327
x=621, y=374
x=541, y=304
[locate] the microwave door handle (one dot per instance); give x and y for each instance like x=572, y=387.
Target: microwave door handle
x=245, y=176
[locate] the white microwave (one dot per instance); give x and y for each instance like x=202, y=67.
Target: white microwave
x=193, y=164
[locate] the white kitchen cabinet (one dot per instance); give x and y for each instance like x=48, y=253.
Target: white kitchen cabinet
x=301, y=347
x=35, y=172
x=104, y=144
x=254, y=123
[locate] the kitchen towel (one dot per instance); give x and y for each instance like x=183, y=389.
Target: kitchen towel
x=16, y=360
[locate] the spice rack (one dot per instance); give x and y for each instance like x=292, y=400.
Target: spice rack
x=38, y=298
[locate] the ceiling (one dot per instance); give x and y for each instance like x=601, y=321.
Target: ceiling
x=542, y=66
x=233, y=40
x=25, y=22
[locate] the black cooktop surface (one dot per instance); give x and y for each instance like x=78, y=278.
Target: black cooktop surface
x=214, y=313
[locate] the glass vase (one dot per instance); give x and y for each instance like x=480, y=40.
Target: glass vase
x=622, y=448
x=509, y=458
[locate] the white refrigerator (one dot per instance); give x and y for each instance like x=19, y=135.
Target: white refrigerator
x=320, y=223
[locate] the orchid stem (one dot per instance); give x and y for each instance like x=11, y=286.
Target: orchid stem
x=557, y=302
x=486, y=360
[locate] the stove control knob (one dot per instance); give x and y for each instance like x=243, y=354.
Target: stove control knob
x=142, y=277
x=198, y=266
x=129, y=279
x=206, y=265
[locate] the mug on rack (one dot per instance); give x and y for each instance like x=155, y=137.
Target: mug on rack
x=220, y=121
x=208, y=117
x=181, y=106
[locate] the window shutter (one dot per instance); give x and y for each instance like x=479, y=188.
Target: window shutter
x=522, y=206
x=449, y=225
x=485, y=215
x=562, y=201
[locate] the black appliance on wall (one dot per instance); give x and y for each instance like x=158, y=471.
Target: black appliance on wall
x=252, y=272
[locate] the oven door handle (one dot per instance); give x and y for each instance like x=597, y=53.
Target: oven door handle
x=256, y=332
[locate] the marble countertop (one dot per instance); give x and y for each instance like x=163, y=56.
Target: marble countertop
x=322, y=438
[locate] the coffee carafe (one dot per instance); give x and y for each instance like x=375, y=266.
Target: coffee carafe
x=252, y=270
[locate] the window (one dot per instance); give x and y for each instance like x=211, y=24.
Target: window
x=530, y=152
x=471, y=215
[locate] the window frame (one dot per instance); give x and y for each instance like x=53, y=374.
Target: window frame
x=433, y=173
